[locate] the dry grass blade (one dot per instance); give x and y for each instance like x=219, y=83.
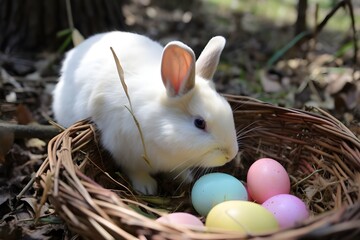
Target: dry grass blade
x=121, y=75
x=122, y=79
x=320, y=154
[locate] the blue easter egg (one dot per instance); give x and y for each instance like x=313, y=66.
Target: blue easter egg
x=214, y=188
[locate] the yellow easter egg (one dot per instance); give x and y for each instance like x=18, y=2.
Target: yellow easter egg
x=241, y=216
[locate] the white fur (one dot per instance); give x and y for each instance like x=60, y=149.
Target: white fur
x=89, y=86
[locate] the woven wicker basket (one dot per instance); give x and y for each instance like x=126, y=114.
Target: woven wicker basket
x=320, y=154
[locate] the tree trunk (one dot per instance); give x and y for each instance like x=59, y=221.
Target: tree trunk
x=32, y=25
x=300, y=24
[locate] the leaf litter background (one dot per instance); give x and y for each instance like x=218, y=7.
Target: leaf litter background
x=319, y=72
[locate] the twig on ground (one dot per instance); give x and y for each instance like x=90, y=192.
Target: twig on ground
x=30, y=131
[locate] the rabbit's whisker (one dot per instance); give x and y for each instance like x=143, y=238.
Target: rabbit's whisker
x=181, y=164
x=242, y=133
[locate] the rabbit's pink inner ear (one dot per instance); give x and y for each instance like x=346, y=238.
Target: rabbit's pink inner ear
x=178, y=69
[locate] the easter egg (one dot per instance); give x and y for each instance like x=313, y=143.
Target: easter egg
x=287, y=209
x=181, y=218
x=214, y=188
x=266, y=178
x=247, y=191
x=243, y=217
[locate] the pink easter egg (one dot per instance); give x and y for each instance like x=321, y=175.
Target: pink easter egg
x=267, y=178
x=181, y=218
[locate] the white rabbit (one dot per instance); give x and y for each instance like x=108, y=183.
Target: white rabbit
x=185, y=122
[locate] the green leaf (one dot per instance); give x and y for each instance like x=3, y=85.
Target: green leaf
x=65, y=44
x=344, y=49
x=277, y=55
x=63, y=33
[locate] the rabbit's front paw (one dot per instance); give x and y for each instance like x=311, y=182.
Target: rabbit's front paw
x=143, y=183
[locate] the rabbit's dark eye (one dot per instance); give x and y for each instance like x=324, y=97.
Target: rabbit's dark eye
x=200, y=123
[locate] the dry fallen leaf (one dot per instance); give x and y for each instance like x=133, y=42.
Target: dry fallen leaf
x=23, y=115
x=348, y=97
x=6, y=142
x=337, y=82
x=32, y=203
x=35, y=143
x=270, y=82
x=11, y=97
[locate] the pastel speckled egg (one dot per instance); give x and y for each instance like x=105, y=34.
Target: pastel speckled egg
x=181, y=218
x=267, y=178
x=287, y=209
x=214, y=188
x=243, y=217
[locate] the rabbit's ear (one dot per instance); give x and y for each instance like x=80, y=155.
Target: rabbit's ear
x=209, y=58
x=178, y=68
